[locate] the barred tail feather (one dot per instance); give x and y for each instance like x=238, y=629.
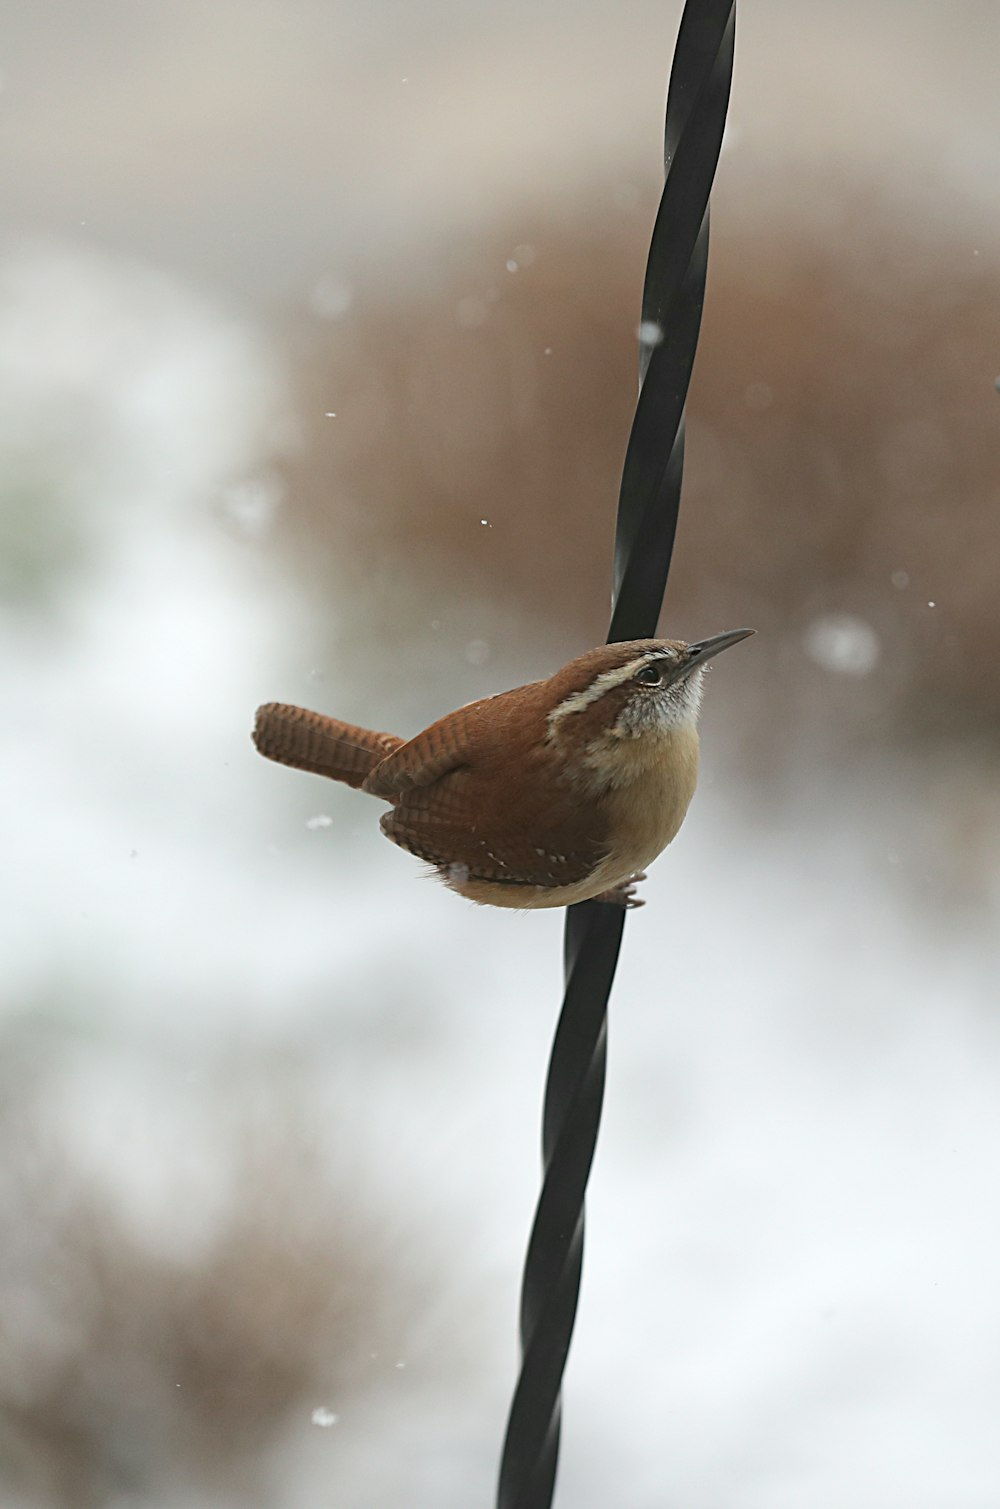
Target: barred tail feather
x=311, y=741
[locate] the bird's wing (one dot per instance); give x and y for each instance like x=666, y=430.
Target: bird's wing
x=455, y=826
x=457, y=803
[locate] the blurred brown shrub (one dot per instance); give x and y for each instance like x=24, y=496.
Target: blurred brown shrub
x=844, y=448
x=130, y=1371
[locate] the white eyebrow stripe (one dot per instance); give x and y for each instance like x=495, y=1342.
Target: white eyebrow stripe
x=578, y=701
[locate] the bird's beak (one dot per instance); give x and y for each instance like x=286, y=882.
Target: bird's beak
x=698, y=653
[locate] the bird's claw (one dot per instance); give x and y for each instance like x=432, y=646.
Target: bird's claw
x=624, y=895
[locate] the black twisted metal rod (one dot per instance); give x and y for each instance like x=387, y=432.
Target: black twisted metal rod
x=673, y=295
x=672, y=299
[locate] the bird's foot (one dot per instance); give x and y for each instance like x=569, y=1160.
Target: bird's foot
x=624, y=894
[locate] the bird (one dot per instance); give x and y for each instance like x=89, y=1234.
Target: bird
x=557, y=792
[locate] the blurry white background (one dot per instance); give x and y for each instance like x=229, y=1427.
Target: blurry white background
x=293, y=298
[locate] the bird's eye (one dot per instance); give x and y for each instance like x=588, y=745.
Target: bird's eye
x=650, y=675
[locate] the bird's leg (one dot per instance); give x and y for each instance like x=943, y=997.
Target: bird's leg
x=624, y=894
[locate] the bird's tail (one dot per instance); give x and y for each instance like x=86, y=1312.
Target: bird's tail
x=311, y=741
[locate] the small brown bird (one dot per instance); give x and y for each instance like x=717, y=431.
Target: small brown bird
x=556, y=792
